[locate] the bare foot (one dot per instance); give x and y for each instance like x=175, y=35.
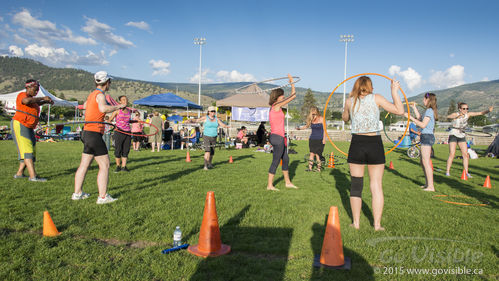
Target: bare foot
x=429, y=189
x=379, y=228
x=290, y=185
x=354, y=226
x=424, y=186
x=272, y=188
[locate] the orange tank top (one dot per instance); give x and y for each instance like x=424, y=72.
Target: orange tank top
x=23, y=118
x=92, y=113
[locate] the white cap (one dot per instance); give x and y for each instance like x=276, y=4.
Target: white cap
x=101, y=77
x=212, y=108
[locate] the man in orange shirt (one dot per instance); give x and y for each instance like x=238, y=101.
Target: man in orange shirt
x=23, y=124
x=94, y=147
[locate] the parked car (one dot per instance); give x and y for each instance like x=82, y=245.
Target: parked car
x=399, y=126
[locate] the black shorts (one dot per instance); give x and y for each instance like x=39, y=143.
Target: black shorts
x=93, y=143
x=366, y=150
x=209, y=144
x=136, y=138
x=453, y=138
x=316, y=146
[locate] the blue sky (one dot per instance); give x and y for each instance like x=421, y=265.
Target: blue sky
x=425, y=44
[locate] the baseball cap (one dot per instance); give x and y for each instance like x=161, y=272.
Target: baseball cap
x=212, y=108
x=101, y=77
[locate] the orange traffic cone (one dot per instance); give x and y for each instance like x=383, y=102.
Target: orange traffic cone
x=281, y=162
x=391, y=166
x=49, y=228
x=209, y=244
x=188, y=157
x=230, y=159
x=331, y=161
x=431, y=163
x=487, y=183
x=464, y=175
x=332, y=247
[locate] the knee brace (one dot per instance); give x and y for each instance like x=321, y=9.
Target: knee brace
x=356, y=187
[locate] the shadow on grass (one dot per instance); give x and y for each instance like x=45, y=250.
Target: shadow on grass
x=342, y=185
x=291, y=169
x=361, y=270
x=257, y=253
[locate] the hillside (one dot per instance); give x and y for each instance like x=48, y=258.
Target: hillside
x=479, y=96
x=75, y=83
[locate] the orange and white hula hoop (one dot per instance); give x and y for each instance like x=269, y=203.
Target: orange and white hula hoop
x=437, y=197
x=365, y=74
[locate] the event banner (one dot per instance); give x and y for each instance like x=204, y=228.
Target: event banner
x=257, y=114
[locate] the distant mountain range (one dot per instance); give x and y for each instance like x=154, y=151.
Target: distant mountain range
x=76, y=84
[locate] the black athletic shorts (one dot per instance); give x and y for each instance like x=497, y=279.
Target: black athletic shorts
x=316, y=146
x=93, y=143
x=366, y=150
x=453, y=138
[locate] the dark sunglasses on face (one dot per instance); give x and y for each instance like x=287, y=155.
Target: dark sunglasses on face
x=213, y=111
x=464, y=108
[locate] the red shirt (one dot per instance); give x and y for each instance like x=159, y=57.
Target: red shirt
x=23, y=118
x=276, y=119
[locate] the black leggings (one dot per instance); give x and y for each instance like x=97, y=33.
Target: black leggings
x=121, y=145
x=280, y=152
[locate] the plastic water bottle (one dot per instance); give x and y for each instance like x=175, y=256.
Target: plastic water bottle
x=177, y=237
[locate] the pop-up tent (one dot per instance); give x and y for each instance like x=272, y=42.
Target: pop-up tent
x=10, y=100
x=167, y=100
x=252, y=105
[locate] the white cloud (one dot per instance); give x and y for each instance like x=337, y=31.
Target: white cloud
x=61, y=57
x=102, y=32
x=140, y=25
x=16, y=51
x=452, y=55
x=451, y=77
x=45, y=31
x=112, y=53
x=19, y=40
x=485, y=79
x=204, y=78
x=160, y=67
x=411, y=77
x=234, y=76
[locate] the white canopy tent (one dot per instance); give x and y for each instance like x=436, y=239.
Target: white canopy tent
x=10, y=100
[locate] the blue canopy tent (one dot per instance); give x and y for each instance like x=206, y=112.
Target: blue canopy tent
x=167, y=100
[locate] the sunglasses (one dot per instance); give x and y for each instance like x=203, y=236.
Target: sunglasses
x=464, y=108
x=213, y=111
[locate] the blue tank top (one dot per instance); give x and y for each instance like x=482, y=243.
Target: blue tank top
x=317, y=131
x=210, y=127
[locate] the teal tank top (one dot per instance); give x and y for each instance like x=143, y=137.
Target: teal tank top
x=210, y=127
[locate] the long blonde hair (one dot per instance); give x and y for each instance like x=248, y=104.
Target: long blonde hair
x=363, y=86
x=432, y=103
x=312, y=113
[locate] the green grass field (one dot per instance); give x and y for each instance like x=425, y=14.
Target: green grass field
x=273, y=235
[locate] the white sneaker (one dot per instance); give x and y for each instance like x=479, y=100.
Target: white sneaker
x=105, y=200
x=79, y=196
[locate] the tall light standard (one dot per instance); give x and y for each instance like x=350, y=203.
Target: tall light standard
x=199, y=41
x=346, y=39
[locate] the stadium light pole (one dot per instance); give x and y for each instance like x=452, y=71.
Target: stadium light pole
x=346, y=39
x=199, y=41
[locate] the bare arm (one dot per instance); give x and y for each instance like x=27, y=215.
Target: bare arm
x=481, y=113
x=421, y=124
x=289, y=99
x=396, y=107
x=453, y=115
x=104, y=108
x=346, y=111
x=416, y=111
x=39, y=101
x=222, y=124
x=199, y=120
x=113, y=115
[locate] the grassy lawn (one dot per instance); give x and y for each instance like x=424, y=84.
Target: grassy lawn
x=273, y=235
